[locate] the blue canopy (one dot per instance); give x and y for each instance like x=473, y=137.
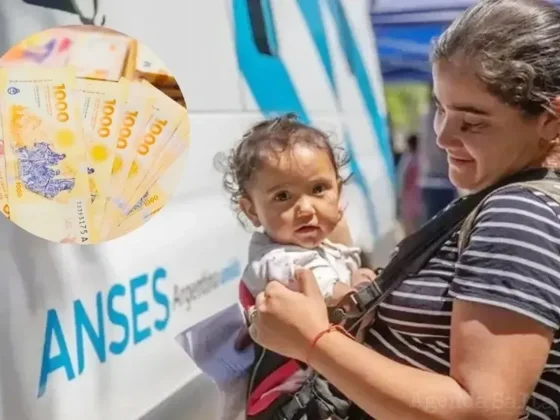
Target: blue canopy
x=404, y=30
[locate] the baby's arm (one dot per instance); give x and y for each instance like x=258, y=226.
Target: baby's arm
x=279, y=265
x=339, y=291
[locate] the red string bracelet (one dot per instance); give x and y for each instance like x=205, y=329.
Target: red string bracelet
x=331, y=328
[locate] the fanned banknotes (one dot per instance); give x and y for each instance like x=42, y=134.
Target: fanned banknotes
x=163, y=123
x=152, y=201
x=175, y=149
x=81, y=160
x=138, y=110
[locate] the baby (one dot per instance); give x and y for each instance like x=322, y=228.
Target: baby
x=284, y=177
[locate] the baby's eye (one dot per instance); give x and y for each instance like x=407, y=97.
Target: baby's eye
x=319, y=189
x=282, y=196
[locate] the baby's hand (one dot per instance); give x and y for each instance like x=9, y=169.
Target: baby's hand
x=361, y=275
x=339, y=291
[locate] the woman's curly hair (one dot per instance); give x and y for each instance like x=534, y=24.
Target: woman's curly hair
x=516, y=47
x=268, y=138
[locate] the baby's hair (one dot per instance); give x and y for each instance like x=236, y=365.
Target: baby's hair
x=272, y=136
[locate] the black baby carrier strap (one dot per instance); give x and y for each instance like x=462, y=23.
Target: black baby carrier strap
x=319, y=400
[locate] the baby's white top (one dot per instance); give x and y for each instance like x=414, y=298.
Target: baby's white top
x=269, y=260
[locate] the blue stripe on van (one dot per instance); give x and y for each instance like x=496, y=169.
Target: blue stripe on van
x=350, y=48
x=312, y=15
x=311, y=11
x=274, y=91
x=266, y=75
x=361, y=182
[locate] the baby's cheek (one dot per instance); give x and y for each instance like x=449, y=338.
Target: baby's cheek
x=278, y=219
x=280, y=227
x=284, y=222
x=331, y=210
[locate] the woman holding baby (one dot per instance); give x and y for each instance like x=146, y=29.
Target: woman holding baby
x=475, y=333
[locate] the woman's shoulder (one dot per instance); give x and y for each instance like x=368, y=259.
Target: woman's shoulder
x=520, y=202
x=517, y=217
x=512, y=258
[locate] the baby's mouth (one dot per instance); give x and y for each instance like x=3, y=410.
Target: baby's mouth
x=307, y=229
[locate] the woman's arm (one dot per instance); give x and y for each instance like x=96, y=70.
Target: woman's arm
x=505, y=310
x=497, y=357
x=341, y=233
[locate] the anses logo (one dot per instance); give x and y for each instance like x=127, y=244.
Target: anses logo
x=132, y=311
x=91, y=326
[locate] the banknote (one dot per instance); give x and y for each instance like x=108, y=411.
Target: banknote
x=152, y=201
x=95, y=54
x=163, y=123
x=175, y=149
x=130, y=224
x=49, y=48
x=136, y=113
x=101, y=105
x=46, y=166
x=100, y=55
x=150, y=67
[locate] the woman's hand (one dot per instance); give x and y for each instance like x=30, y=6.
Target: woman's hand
x=287, y=321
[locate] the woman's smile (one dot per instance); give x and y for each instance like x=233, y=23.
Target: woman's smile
x=457, y=161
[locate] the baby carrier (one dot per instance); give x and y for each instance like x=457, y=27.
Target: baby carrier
x=319, y=400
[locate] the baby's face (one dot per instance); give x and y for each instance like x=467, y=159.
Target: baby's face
x=295, y=196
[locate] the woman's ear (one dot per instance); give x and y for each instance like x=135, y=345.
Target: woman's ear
x=248, y=208
x=550, y=124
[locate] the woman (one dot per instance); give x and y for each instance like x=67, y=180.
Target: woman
x=471, y=336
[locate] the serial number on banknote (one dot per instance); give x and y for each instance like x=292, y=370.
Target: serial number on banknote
x=82, y=222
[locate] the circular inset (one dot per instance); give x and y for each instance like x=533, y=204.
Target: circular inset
x=94, y=130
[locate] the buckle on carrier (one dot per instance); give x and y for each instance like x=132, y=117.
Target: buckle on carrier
x=355, y=303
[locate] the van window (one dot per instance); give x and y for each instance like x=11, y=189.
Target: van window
x=262, y=25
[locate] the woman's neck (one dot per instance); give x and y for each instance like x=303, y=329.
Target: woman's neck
x=552, y=160
x=549, y=158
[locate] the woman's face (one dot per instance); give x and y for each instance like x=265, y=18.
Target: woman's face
x=484, y=138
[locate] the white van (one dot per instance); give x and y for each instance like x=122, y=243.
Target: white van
x=89, y=332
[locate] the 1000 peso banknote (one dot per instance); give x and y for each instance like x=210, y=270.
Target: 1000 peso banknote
x=152, y=201
x=101, y=105
x=138, y=110
x=159, y=130
x=46, y=169
x=175, y=149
